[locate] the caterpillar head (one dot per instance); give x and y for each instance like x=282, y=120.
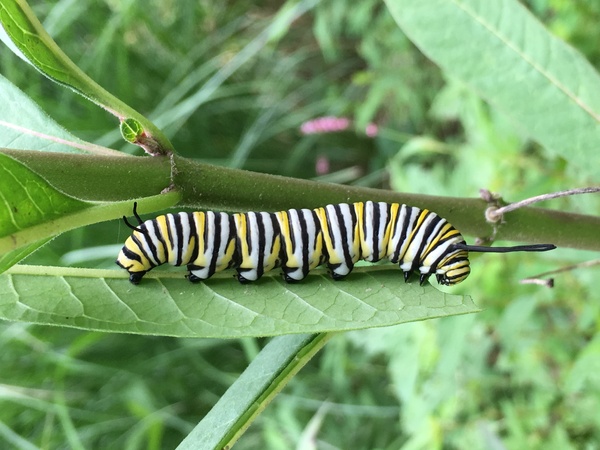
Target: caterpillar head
x=131, y=262
x=454, y=271
x=449, y=263
x=131, y=257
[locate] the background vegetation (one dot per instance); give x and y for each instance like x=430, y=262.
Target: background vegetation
x=521, y=374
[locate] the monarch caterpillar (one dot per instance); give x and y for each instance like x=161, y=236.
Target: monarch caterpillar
x=299, y=240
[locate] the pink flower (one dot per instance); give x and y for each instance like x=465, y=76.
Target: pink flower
x=327, y=124
x=372, y=130
x=322, y=165
x=332, y=124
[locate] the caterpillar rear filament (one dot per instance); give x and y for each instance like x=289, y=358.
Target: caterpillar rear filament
x=298, y=240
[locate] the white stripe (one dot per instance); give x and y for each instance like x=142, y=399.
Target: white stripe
x=252, y=232
x=203, y=273
x=225, y=232
x=335, y=227
x=383, y=220
x=150, y=235
x=413, y=249
x=297, y=233
x=368, y=252
x=175, y=237
x=311, y=230
x=269, y=233
x=400, y=220
x=185, y=237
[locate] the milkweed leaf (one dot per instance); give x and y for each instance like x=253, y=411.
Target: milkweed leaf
x=166, y=304
x=510, y=59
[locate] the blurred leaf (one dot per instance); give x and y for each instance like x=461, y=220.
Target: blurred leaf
x=25, y=35
x=586, y=368
x=12, y=257
x=510, y=59
x=268, y=373
x=26, y=127
x=30, y=213
x=28, y=200
x=165, y=304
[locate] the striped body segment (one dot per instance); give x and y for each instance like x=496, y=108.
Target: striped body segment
x=297, y=241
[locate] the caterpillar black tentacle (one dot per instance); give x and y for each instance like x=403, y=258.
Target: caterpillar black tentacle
x=298, y=240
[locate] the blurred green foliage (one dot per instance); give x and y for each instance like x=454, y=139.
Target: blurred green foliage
x=522, y=374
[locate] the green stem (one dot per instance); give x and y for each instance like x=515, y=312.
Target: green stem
x=205, y=186
x=98, y=178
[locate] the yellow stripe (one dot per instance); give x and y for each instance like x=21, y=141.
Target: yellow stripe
x=200, y=219
x=356, y=238
x=285, y=234
x=227, y=258
x=145, y=261
x=441, y=233
x=327, y=239
x=271, y=259
x=389, y=230
x=242, y=233
x=162, y=223
x=317, y=256
x=415, y=230
x=359, y=209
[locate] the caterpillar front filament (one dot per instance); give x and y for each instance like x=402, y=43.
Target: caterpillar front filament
x=298, y=240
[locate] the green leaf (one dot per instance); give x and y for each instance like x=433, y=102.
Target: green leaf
x=131, y=130
x=32, y=210
x=28, y=200
x=507, y=56
x=11, y=258
x=166, y=304
x=268, y=373
x=25, y=32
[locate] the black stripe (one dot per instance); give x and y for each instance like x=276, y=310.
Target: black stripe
x=217, y=242
x=319, y=231
x=353, y=223
x=260, y=263
x=152, y=243
x=161, y=239
x=140, y=246
x=404, y=232
x=283, y=256
x=130, y=254
x=249, y=237
x=454, y=259
x=180, y=244
x=169, y=231
x=233, y=234
x=291, y=230
x=427, y=236
x=330, y=226
x=344, y=234
x=388, y=214
x=375, y=225
x=448, y=238
x=303, y=241
x=276, y=234
x=195, y=234
x=460, y=259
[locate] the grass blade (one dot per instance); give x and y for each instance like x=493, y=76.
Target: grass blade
x=264, y=378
